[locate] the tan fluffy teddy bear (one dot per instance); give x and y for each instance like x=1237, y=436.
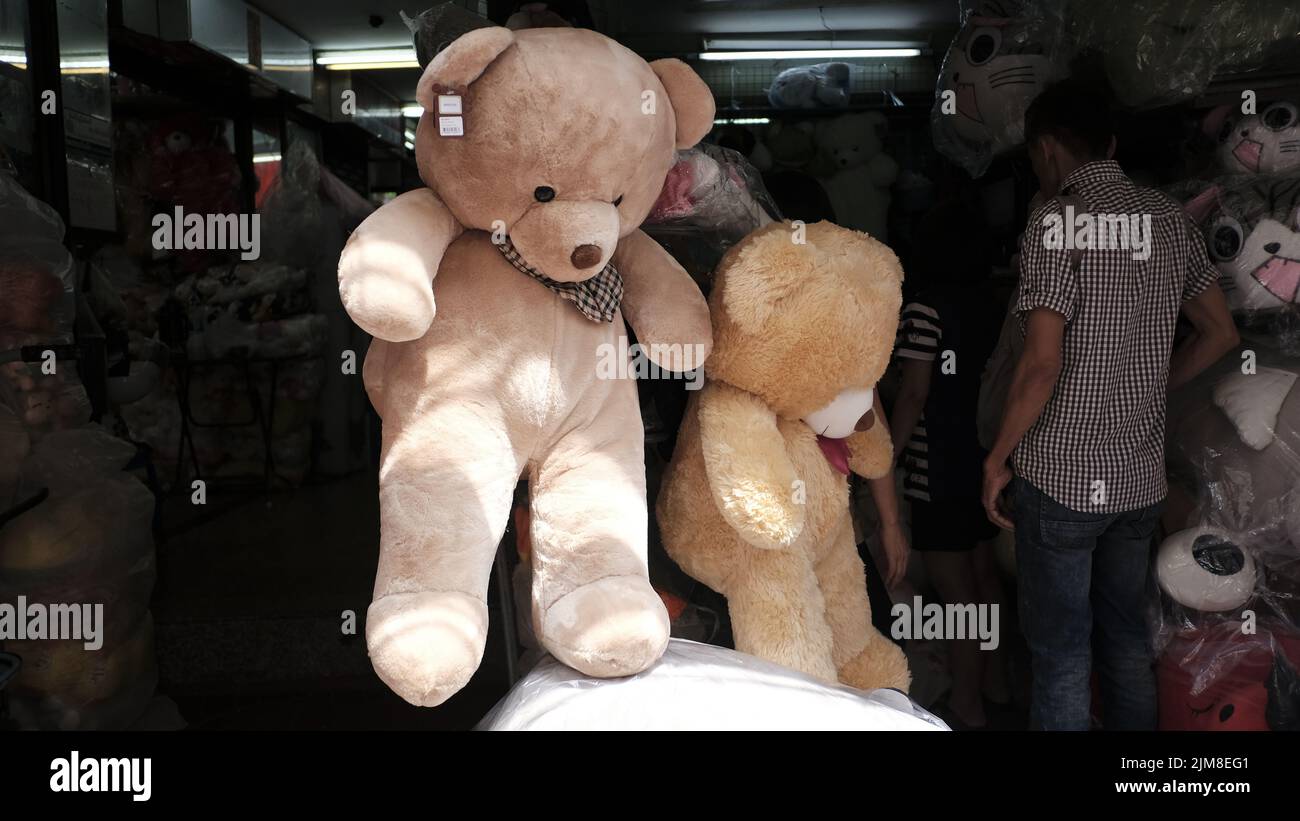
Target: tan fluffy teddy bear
x=756, y=502
x=543, y=150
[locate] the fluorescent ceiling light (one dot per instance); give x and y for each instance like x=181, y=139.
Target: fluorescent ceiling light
x=18, y=59
x=414, y=111
x=742, y=121
x=810, y=53
x=269, y=157
x=364, y=59
x=780, y=42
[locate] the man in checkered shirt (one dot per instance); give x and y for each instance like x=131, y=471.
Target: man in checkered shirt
x=1084, y=422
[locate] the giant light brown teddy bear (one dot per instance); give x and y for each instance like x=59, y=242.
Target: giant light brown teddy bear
x=755, y=503
x=567, y=138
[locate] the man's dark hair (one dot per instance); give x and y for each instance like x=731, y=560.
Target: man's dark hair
x=1075, y=114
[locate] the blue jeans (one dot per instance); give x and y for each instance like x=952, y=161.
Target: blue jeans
x=1082, y=581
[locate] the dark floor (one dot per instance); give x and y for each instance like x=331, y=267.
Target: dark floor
x=249, y=610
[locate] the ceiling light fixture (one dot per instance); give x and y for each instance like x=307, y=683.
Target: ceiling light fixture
x=809, y=53
x=367, y=59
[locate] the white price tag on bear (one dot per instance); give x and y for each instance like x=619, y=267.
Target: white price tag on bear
x=450, y=121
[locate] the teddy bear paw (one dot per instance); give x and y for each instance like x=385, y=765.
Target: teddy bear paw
x=880, y=664
x=426, y=646
x=387, y=309
x=616, y=626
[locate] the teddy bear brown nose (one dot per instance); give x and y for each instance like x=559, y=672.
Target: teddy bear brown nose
x=866, y=421
x=585, y=256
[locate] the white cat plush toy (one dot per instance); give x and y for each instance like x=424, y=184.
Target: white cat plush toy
x=1266, y=142
x=1006, y=52
x=1251, y=226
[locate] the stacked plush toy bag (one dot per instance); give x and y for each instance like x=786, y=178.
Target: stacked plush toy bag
x=1229, y=626
x=75, y=529
x=249, y=333
x=1230, y=577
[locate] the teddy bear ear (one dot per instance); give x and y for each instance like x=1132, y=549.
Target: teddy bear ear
x=461, y=63
x=691, y=99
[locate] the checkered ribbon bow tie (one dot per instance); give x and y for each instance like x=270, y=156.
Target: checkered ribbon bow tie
x=597, y=297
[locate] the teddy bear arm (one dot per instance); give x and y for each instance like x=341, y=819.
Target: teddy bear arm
x=871, y=453
x=750, y=475
x=387, y=267
x=663, y=305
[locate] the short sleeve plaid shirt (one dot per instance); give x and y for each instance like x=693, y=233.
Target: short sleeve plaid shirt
x=1099, y=444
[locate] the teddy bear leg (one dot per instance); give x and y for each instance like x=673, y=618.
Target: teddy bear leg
x=778, y=613
x=593, y=606
x=864, y=657
x=443, y=510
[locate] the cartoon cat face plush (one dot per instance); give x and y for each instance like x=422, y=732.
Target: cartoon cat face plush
x=1267, y=142
x=1006, y=52
x=1251, y=227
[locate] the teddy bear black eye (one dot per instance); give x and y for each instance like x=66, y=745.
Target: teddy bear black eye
x=544, y=193
x=618, y=201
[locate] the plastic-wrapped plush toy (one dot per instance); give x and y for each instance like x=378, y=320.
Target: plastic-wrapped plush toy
x=1161, y=52
x=824, y=85
x=1006, y=52
x=755, y=503
x=712, y=198
x=527, y=243
x=859, y=174
x=1250, y=228
x=1235, y=442
x=1221, y=677
x=1266, y=142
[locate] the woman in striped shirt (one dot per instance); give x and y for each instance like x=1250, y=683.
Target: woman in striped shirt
x=946, y=335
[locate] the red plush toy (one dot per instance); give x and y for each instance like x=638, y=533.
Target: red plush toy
x=192, y=167
x=1219, y=678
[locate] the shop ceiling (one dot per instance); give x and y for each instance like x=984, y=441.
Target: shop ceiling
x=652, y=27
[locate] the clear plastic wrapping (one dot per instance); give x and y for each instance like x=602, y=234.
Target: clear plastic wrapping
x=89, y=543
x=712, y=197
x=63, y=686
x=1161, y=52
x=699, y=687
x=1005, y=53
x=36, y=312
x=1234, y=461
x=824, y=85
x=1222, y=677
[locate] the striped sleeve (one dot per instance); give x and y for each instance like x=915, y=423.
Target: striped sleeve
x=919, y=332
